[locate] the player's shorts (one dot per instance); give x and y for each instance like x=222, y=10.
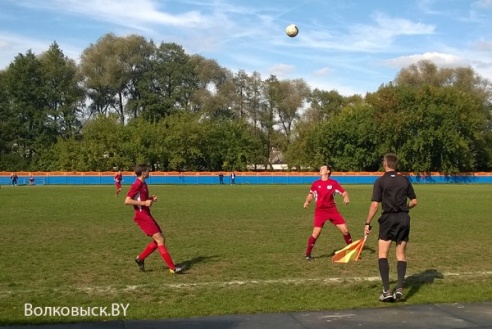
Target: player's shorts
x=394, y=227
x=146, y=223
x=332, y=215
x=118, y=185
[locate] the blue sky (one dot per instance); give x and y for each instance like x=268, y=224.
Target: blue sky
x=352, y=46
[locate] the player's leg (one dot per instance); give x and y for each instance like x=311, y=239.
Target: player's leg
x=140, y=259
x=338, y=220
x=401, y=268
x=312, y=240
x=386, y=237
x=159, y=239
x=145, y=222
x=161, y=246
x=318, y=222
x=345, y=232
x=401, y=250
x=384, y=269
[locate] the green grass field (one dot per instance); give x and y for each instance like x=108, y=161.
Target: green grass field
x=73, y=246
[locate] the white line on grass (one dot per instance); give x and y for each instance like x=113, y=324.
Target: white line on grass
x=304, y=280
x=129, y=288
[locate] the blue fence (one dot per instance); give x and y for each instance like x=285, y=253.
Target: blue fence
x=241, y=180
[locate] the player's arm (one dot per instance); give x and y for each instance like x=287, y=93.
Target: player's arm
x=346, y=198
x=373, y=209
x=131, y=202
x=309, y=198
x=412, y=203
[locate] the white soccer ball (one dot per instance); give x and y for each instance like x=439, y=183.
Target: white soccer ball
x=292, y=30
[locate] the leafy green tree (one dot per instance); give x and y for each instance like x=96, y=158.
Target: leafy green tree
x=183, y=138
x=7, y=128
x=143, y=142
x=230, y=146
x=64, y=94
x=169, y=84
x=26, y=90
x=102, y=145
x=113, y=69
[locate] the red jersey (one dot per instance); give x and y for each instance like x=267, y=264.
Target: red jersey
x=118, y=178
x=324, y=192
x=139, y=191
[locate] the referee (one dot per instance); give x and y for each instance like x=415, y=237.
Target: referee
x=393, y=191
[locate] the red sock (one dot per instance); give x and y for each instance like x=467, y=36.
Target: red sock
x=166, y=257
x=311, y=242
x=348, y=238
x=148, y=250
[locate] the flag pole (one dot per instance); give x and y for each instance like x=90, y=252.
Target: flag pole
x=360, y=248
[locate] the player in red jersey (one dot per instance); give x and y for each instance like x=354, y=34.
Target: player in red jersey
x=323, y=191
x=138, y=197
x=118, y=178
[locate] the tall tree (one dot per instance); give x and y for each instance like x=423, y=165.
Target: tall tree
x=64, y=94
x=26, y=91
x=112, y=69
x=169, y=83
x=293, y=95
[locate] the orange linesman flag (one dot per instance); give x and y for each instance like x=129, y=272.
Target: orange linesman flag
x=350, y=252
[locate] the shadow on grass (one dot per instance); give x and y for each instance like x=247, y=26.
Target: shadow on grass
x=365, y=250
x=416, y=281
x=192, y=262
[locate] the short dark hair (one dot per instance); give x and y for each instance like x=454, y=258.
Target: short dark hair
x=140, y=168
x=329, y=168
x=391, y=160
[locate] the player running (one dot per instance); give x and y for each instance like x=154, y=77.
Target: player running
x=118, y=178
x=138, y=197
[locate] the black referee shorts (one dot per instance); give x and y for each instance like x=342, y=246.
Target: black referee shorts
x=394, y=226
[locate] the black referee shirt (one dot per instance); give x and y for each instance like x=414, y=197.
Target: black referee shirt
x=393, y=190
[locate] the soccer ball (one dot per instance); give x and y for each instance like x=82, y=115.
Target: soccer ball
x=291, y=30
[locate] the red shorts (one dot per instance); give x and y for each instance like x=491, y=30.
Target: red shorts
x=323, y=215
x=146, y=223
x=118, y=185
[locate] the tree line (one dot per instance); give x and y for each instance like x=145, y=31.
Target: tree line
x=131, y=101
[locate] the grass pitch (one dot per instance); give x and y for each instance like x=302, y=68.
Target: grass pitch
x=73, y=246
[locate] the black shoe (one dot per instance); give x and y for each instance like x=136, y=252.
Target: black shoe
x=398, y=295
x=386, y=297
x=140, y=264
x=179, y=269
x=309, y=258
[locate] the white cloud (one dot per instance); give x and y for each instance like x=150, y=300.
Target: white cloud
x=322, y=72
x=386, y=31
x=440, y=59
x=483, y=3
x=485, y=46
x=482, y=65
x=134, y=14
x=281, y=71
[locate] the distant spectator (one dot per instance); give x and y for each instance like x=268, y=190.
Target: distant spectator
x=31, y=180
x=221, y=178
x=13, y=179
x=233, y=178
